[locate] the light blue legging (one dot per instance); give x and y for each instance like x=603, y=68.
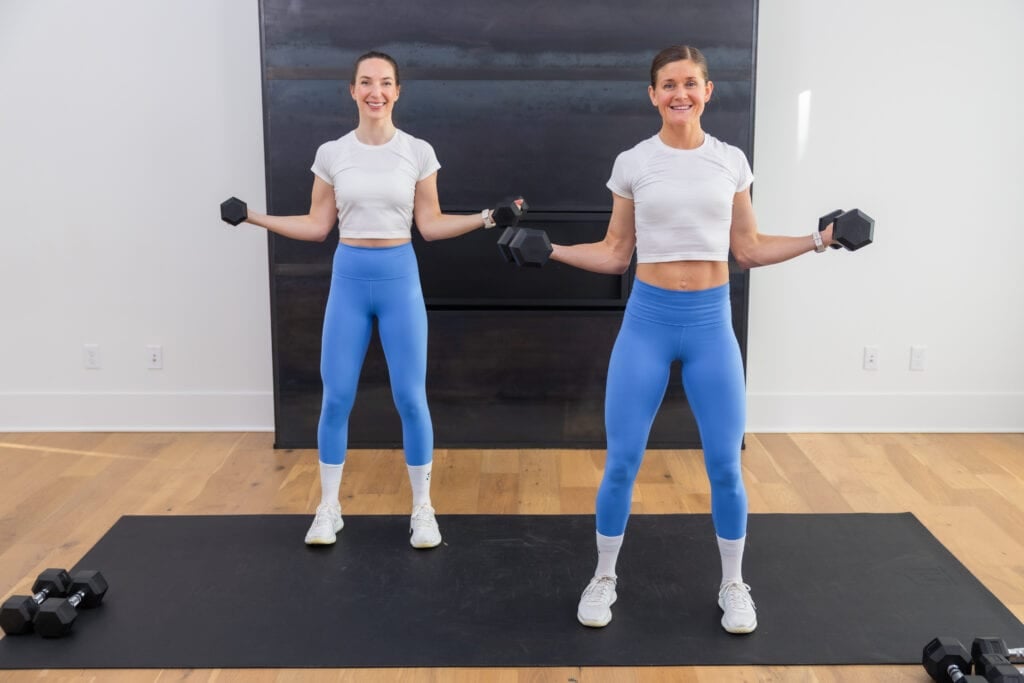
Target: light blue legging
x=381, y=283
x=660, y=326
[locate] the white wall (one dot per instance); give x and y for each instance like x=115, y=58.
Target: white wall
x=915, y=116
x=124, y=124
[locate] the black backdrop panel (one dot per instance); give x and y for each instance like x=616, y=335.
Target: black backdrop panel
x=531, y=98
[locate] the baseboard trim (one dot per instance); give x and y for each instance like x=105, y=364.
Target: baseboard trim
x=888, y=412
x=137, y=412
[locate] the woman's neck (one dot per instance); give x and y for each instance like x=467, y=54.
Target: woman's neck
x=682, y=137
x=377, y=132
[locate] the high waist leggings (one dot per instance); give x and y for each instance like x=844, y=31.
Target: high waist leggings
x=381, y=283
x=660, y=326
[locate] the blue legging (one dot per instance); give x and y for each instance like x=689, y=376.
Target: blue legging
x=381, y=283
x=660, y=326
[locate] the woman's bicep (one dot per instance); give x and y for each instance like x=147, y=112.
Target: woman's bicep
x=322, y=206
x=621, y=236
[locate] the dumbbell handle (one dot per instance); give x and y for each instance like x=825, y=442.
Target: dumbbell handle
x=75, y=599
x=42, y=595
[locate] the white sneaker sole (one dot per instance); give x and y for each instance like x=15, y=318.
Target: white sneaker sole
x=423, y=545
x=326, y=540
x=593, y=623
x=740, y=629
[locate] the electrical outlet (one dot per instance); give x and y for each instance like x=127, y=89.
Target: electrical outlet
x=917, y=357
x=91, y=356
x=155, y=357
x=870, y=357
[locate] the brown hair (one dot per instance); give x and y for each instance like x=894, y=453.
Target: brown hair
x=678, y=53
x=373, y=54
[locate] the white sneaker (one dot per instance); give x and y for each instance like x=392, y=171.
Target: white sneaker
x=595, y=608
x=326, y=524
x=740, y=614
x=423, y=528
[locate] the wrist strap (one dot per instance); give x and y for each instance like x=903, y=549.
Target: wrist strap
x=819, y=245
x=488, y=221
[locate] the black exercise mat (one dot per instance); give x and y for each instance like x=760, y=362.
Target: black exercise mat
x=243, y=591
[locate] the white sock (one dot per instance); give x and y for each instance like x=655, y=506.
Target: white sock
x=419, y=477
x=607, y=554
x=330, y=483
x=732, y=558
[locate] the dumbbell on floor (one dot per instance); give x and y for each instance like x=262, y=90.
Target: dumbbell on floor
x=993, y=660
x=233, y=211
x=851, y=229
x=18, y=611
x=946, y=660
x=56, y=616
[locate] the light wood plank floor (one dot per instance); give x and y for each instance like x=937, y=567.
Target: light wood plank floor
x=59, y=493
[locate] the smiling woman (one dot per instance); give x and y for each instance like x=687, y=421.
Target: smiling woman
x=681, y=201
x=373, y=181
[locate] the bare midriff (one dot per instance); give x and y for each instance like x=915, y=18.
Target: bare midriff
x=373, y=241
x=684, y=275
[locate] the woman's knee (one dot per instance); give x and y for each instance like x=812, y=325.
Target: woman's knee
x=724, y=473
x=336, y=406
x=411, y=404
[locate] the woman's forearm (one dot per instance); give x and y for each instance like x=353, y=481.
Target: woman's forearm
x=597, y=257
x=296, y=227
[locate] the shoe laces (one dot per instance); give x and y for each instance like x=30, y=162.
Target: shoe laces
x=423, y=516
x=599, y=590
x=324, y=513
x=736, y=595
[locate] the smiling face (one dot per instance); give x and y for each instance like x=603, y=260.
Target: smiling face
x=375, y=89
x=680, y=92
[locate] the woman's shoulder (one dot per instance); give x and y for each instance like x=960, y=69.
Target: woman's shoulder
x=723, y=148
x=411, y=140
x=638, y=152
x=337, y=143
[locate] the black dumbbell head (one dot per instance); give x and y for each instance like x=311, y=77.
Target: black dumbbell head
x=530, y=247
x=55, y=618
x=825, y=220
x=854, y=229
x=55, y=581
x=988, y=646
x=509, y=211
x=233, y=211
x=997, y=669
x=91, y=584
x=940, y=654
x=17, y=613
x=503, y=243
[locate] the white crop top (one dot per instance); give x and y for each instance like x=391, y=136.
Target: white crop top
x=375, y=185
x=682, y=197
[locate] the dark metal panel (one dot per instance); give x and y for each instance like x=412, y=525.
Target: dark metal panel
x=535, y=98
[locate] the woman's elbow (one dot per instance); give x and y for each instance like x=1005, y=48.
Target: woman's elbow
x=321, y=233
x=744, y=257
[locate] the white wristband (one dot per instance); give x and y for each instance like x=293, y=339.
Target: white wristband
x=819, y=245
x=488, y=221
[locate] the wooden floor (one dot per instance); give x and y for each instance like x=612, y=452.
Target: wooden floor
x=59, y=493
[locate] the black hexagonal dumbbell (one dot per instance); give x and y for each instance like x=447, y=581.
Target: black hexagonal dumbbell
x=993, y=660
x=946, y=660
x=233, y=211
x=56, y=615
x=507, y=215
x=18, y=611
x=530, y=247
x=852, y=229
